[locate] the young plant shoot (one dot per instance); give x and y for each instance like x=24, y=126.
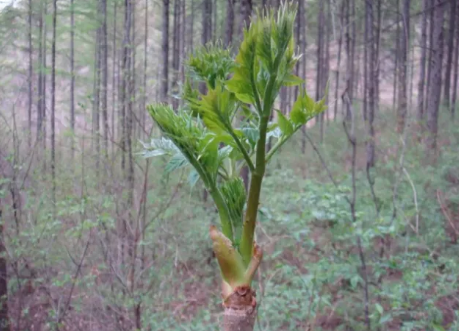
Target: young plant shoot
x=227, y=128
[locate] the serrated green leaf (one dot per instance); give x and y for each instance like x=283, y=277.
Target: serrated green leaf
x=292, y=80
x=244, y=97
x=284, y=124
x=297, y=115
x=193, y=178
x=234, y=194
x=176, y=162
x=210, y=63
x=252, y=135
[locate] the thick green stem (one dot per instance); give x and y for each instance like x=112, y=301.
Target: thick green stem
x=254, y=195
x=248, y=230
x=244, y=152
x=223, y=212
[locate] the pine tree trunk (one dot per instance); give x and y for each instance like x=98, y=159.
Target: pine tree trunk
x=129, y=83
x=29, y=78
x=246, y=11
x=422, y=72
x=132, y=74
x=145, y=67
x=115, y=74
x=456, y=66
x=191, y=31
x=40, y=76
x=429, y=61
x=43, y=93
x=319, y=68
x=53, y=102
x=165, y=50
x=303, y=68
x=326, y=63
x=183, y=42
x=298, y=37
x=434, y=90
x=176, y=54
x=72, y=74
x=338, y=61
x=402, y=74
x=215, y=27
x=229, y=23
x=378, y=47
x=397, y=54
x=349, y=60
x=4, y=319
x=104, y=103
x=206, y=35
x=449, y=59
x=370, y=87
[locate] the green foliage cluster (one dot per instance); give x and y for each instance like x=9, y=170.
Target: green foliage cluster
x=226, y=128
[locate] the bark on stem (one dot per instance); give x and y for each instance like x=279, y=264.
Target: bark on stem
x=238, y=320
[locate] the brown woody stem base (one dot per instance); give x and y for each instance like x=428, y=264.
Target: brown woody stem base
x=238, y=319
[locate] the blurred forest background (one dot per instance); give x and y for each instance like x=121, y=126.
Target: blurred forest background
x=359, y=222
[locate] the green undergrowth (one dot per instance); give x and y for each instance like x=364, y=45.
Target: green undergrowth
x=311, y=273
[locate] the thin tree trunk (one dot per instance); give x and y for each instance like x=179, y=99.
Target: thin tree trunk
x=366, y=61
x=422, y=72
x=397, y=54
x=96, y=100
x=133, y=75
x=298, y=37
x=130, y=99
x=72, y=74
x=29, y=78
x=371, y=78
x=319, y=70
x=206, y=35
x=436, y=76
x=115, y=73
x=229, y=23
x=40, y=76
x=215, y=27
x=176, y=54
x=449, y=60
x=165, y=50
x=338, y=61
x=145, y=65
x=191, y=34
x=183, y=42
x=326, y=63
x=378, y=47
x=4, y=319
x=429, y=63
x=104, y=103
x=124, y=95
x=246, y=11
x=403, y=78
x=456, y=66
x=53, y=101
x=349, y=58
x=354, y=56
x=44, y=118
x=304, y=71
